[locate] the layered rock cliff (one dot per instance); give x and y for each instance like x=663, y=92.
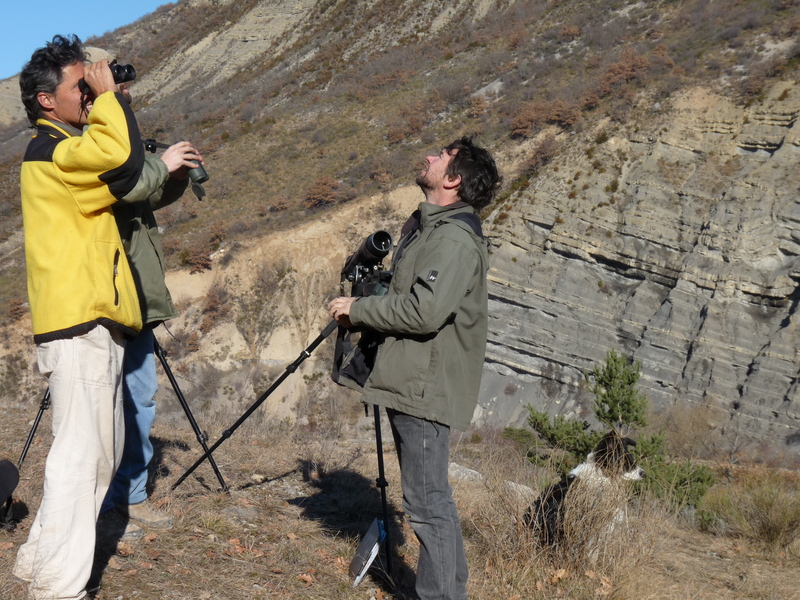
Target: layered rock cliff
x=674, y=242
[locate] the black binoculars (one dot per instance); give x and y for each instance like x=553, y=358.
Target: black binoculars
x=121, y=73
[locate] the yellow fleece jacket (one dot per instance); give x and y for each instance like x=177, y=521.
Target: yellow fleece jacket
x=78, y=276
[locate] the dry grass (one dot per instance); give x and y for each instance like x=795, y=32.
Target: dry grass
x=300, y=501
x=590, y=560
x=761, y=505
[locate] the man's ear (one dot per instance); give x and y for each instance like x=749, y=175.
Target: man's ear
x=451, y=183
x=45, y=100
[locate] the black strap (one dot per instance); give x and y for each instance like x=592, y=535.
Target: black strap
x=470, y=219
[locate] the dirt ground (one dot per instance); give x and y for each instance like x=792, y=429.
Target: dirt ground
x=298, y=505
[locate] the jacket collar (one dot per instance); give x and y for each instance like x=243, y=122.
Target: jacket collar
x=430, y=213
x=56, y=128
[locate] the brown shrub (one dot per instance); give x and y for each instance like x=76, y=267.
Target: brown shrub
x=217, y=234
x=170, y=246
x=590, y=101
x=516, y=37
x=381, y=171
x=563, y=114
x=477, y=107
x=191, y=343
x=16, y=309
x=215, y=307
x=543, y=154
x=397, y=135
x=278, y=205
x=532, y=115
x=569, y=33
x=631, y=65
x=661, y=59
x=323, y=192
x=196, y=257
x=753, y=85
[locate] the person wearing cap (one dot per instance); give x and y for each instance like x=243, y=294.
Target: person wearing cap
x=163, y=181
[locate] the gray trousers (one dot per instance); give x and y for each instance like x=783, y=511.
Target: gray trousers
x=423, y=449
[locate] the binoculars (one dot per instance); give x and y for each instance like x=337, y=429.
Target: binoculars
x=121, y=73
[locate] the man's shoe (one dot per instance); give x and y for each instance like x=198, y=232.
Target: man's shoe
x=132, y=531
x=146, y=515
x=113, y=525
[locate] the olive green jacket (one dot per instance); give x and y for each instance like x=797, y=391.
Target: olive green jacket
x=141, y=240
x=433, y=320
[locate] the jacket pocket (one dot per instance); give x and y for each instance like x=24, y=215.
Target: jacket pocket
x=402, y=366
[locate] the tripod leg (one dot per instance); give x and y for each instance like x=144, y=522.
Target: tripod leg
x=289, y=370
x=43, y=406
x=5, y=515
x=190, y=417
x=382, y=484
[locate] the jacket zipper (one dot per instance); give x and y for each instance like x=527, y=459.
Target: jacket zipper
x=116, y=272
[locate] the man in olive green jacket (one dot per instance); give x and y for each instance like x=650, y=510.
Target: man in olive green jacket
x=427, y=372
x=163, y=181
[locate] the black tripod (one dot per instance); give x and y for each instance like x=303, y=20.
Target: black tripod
x=43, y=406
x=289, y=370
x=201, y=436
x=382, y=484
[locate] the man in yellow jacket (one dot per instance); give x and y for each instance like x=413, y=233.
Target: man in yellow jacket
x=82, y=296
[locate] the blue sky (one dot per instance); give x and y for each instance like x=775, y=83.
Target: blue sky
x=28, y=24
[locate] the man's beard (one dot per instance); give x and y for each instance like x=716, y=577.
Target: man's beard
x=423, y=182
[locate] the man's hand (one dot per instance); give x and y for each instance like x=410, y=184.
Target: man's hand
x=179, y=158
x=99, y=78
x=339, y=310
x=123, y=88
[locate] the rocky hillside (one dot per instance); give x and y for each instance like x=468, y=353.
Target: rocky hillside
x=648, y=150
x=676, y=244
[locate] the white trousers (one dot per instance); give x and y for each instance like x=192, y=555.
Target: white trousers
x=85, y=378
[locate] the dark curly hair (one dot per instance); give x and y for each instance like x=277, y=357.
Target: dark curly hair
x=42, y=73
x=480, y=180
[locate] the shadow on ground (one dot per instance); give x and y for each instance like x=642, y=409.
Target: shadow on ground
x=204, y=475
x=345, y=504
x=110, y=529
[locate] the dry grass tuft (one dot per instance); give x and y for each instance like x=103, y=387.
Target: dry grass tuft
x=592, y=558
x=761, y=505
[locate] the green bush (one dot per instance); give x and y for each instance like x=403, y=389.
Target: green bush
x=617, y=401
x=523, y=439
x=571, y=437
x=679, y=482
x=618, y=404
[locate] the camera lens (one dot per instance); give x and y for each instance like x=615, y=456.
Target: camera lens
x=198, y=174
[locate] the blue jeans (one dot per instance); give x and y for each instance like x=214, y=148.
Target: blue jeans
x=423, y=449
x=139, y=387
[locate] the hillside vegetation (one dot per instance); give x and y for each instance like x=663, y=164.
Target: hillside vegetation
x=312, y=117
x=341, y=99
x=300, y=107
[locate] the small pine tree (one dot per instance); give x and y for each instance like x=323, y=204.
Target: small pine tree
x=618, y=404
x=560, y=432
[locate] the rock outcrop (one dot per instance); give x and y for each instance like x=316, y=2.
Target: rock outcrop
x=678, y=247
